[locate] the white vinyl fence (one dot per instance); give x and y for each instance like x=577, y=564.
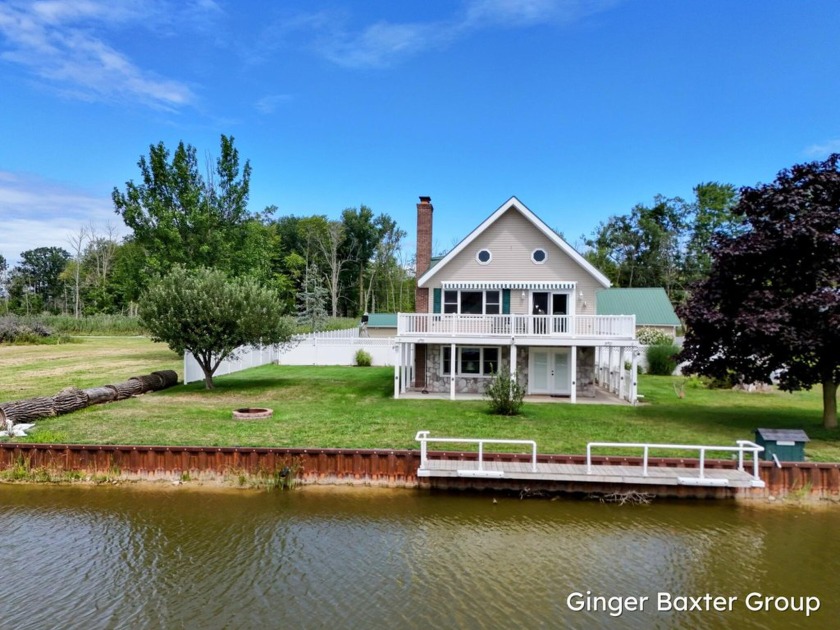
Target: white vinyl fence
x=334, y=347
x=332, y=351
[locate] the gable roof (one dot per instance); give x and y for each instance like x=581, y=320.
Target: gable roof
x=651, y=306
x=539, y=224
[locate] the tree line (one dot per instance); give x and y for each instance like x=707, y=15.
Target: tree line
x=667, y=243
x=319, y=266
x=179, y=217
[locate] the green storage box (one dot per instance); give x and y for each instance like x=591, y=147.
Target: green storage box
x=788, y=445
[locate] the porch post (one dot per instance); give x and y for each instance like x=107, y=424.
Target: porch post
x=397, y=354
x=610, y=379
x=621, y=371
x=453, y=359
x=404, y=362
x=634, y=368
x=573, y=369
x=512, y=361
x=598, y=364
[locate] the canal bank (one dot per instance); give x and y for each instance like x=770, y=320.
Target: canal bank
x=392, y=468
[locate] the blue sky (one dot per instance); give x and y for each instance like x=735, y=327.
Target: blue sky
x=580, y=108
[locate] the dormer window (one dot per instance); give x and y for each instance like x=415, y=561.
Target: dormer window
x=483, y=256
x=539, y=256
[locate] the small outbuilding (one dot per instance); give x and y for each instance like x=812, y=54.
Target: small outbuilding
x=381, y=325
x=788, y=445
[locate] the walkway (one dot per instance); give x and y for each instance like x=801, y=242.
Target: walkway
x=602, y=397
x=592, y=471
x=631, y=475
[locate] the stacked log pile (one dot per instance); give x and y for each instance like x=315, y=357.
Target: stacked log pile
x=72, y=399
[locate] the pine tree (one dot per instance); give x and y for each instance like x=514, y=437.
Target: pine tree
x=312, y=301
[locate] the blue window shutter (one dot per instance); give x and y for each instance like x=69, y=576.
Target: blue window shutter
x=437, y=300
x=505, y=301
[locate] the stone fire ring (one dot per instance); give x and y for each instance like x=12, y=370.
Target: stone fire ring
x=252, y=413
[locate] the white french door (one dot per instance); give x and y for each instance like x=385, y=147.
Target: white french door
x=551, y=311
x=550, y=372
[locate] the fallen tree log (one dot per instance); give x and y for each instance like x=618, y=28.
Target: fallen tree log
x=99, y=395
x=72, y=398
x=170, y=377
x=127, y=389
x=69, y=399
x=29, y=409
x=149, y=382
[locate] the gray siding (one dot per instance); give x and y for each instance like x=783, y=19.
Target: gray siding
x=511, y=239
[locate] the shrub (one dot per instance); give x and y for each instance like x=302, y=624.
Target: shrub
x=653, y=337
x=363, y=359
x=728, y=381
x=13, y=330
x=661, y=359
x=505, y=394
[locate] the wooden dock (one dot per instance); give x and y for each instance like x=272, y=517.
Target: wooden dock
x=593, y=472
x=601, y=473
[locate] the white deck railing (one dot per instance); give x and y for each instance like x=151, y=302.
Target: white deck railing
x=424, y=439
x=744, y=446
x=434, y=324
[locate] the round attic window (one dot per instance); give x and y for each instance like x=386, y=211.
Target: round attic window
x=483, y=256
x=539, y=256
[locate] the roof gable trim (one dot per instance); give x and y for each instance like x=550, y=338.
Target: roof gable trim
x=538, y=223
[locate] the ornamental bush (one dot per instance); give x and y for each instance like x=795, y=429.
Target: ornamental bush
x=662, y=359
x=505, y=394
x=653, y=337
x=363, y=359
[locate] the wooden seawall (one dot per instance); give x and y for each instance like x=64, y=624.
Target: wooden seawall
x=390, y=468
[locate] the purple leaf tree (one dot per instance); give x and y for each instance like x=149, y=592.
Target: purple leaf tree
x=771, y=302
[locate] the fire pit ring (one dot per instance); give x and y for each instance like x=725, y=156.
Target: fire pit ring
x=252, y=413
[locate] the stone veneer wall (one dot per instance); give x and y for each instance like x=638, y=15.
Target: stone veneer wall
x=586, y=372
x=435, y=382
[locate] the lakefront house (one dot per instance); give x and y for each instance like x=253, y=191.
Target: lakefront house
x=512, y=296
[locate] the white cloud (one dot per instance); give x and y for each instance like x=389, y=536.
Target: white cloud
x=824, y=149
x=521, y=13
x=384, y=43
x=268, y=104
x=61, y=43
x=39, y=213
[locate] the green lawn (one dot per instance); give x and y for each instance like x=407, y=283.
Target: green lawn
x=353, y=407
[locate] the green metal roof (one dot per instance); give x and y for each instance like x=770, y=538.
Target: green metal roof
x=382, y=320
x=651, y=306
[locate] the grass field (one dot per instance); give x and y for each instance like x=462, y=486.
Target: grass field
x=353, y=407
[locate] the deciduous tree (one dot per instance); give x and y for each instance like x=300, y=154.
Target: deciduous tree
x=211, y=315
x=179, y=217
x=38, y=275
x=772, y=298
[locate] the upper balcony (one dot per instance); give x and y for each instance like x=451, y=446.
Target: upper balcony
x=546, y=327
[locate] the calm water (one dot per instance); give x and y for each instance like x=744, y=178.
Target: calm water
x=320, y=558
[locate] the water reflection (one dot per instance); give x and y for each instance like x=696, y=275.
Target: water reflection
x=126, y=558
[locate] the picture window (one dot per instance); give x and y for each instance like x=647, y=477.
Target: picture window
x=471, y=361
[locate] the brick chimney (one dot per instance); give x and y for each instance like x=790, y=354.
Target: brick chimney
x=424, y=251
